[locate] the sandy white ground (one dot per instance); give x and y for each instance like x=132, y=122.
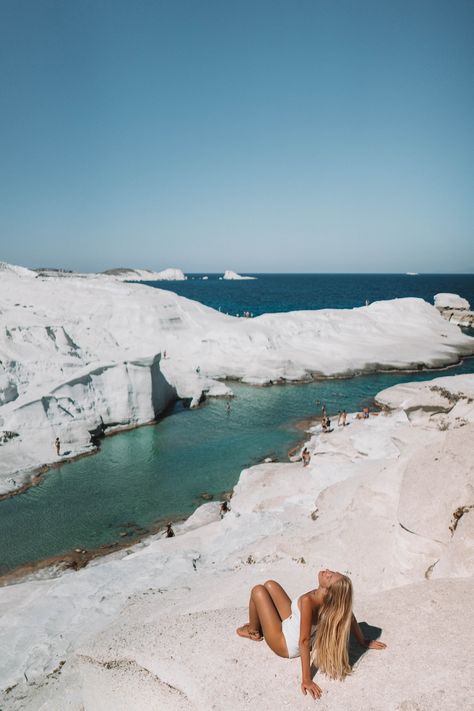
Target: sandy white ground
x=388, y=500
x=83, y=353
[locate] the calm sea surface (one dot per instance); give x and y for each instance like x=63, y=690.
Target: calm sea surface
x=161, y=472
x=270, y=293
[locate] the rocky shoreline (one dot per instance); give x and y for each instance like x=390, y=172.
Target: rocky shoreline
x=387, y=500
x=87, y=352
x=460, y=317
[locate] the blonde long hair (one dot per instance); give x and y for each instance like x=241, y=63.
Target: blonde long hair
x=330, y=649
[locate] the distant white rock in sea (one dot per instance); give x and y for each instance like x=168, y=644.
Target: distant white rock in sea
x=146, y=275
x=170, y=275
x=233, y=275
x=450, y=301
x=205, y=278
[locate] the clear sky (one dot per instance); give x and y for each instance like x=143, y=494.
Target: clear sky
x=287, y=136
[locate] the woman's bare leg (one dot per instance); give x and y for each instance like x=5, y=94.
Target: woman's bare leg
x=264, y=617
x=280, y=599
x=253, y=628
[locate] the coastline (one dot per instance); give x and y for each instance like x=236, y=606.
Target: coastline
x=384, y=475
x=78, y=559
x=375, y=502
x=72, y=559
x=40, y=470
x=83, y=365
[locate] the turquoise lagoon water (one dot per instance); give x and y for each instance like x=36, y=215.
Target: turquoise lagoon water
x=155, y=473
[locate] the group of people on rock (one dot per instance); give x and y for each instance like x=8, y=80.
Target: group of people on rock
x=341, y=418
x=326, y=426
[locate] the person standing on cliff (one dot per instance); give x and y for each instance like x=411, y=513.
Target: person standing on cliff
x=57, y=444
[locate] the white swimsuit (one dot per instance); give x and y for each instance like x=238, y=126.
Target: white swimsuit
x=291, y=630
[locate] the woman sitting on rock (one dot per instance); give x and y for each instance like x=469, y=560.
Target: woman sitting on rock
x=315, y=626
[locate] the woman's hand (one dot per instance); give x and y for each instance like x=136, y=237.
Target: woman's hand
x=311, y=688
x=374, y=644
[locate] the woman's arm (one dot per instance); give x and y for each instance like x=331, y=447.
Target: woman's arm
x=369, y=643
x=356, y=631
x=307, y=684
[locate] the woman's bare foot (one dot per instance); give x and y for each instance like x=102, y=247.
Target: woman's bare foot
x=245, y=631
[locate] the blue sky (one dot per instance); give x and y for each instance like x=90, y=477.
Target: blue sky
x=316, y=136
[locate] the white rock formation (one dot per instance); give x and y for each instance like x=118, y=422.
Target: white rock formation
x=455, y=309
x=79, y=353
x=229, y=275
x=147, y=275
x=170, y=275
x=6, y=268
x=450, y=301
x=388, y=500
x=432, y=396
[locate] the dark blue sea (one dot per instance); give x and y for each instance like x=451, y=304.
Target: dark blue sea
x=270, y=293
x=142, y=478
